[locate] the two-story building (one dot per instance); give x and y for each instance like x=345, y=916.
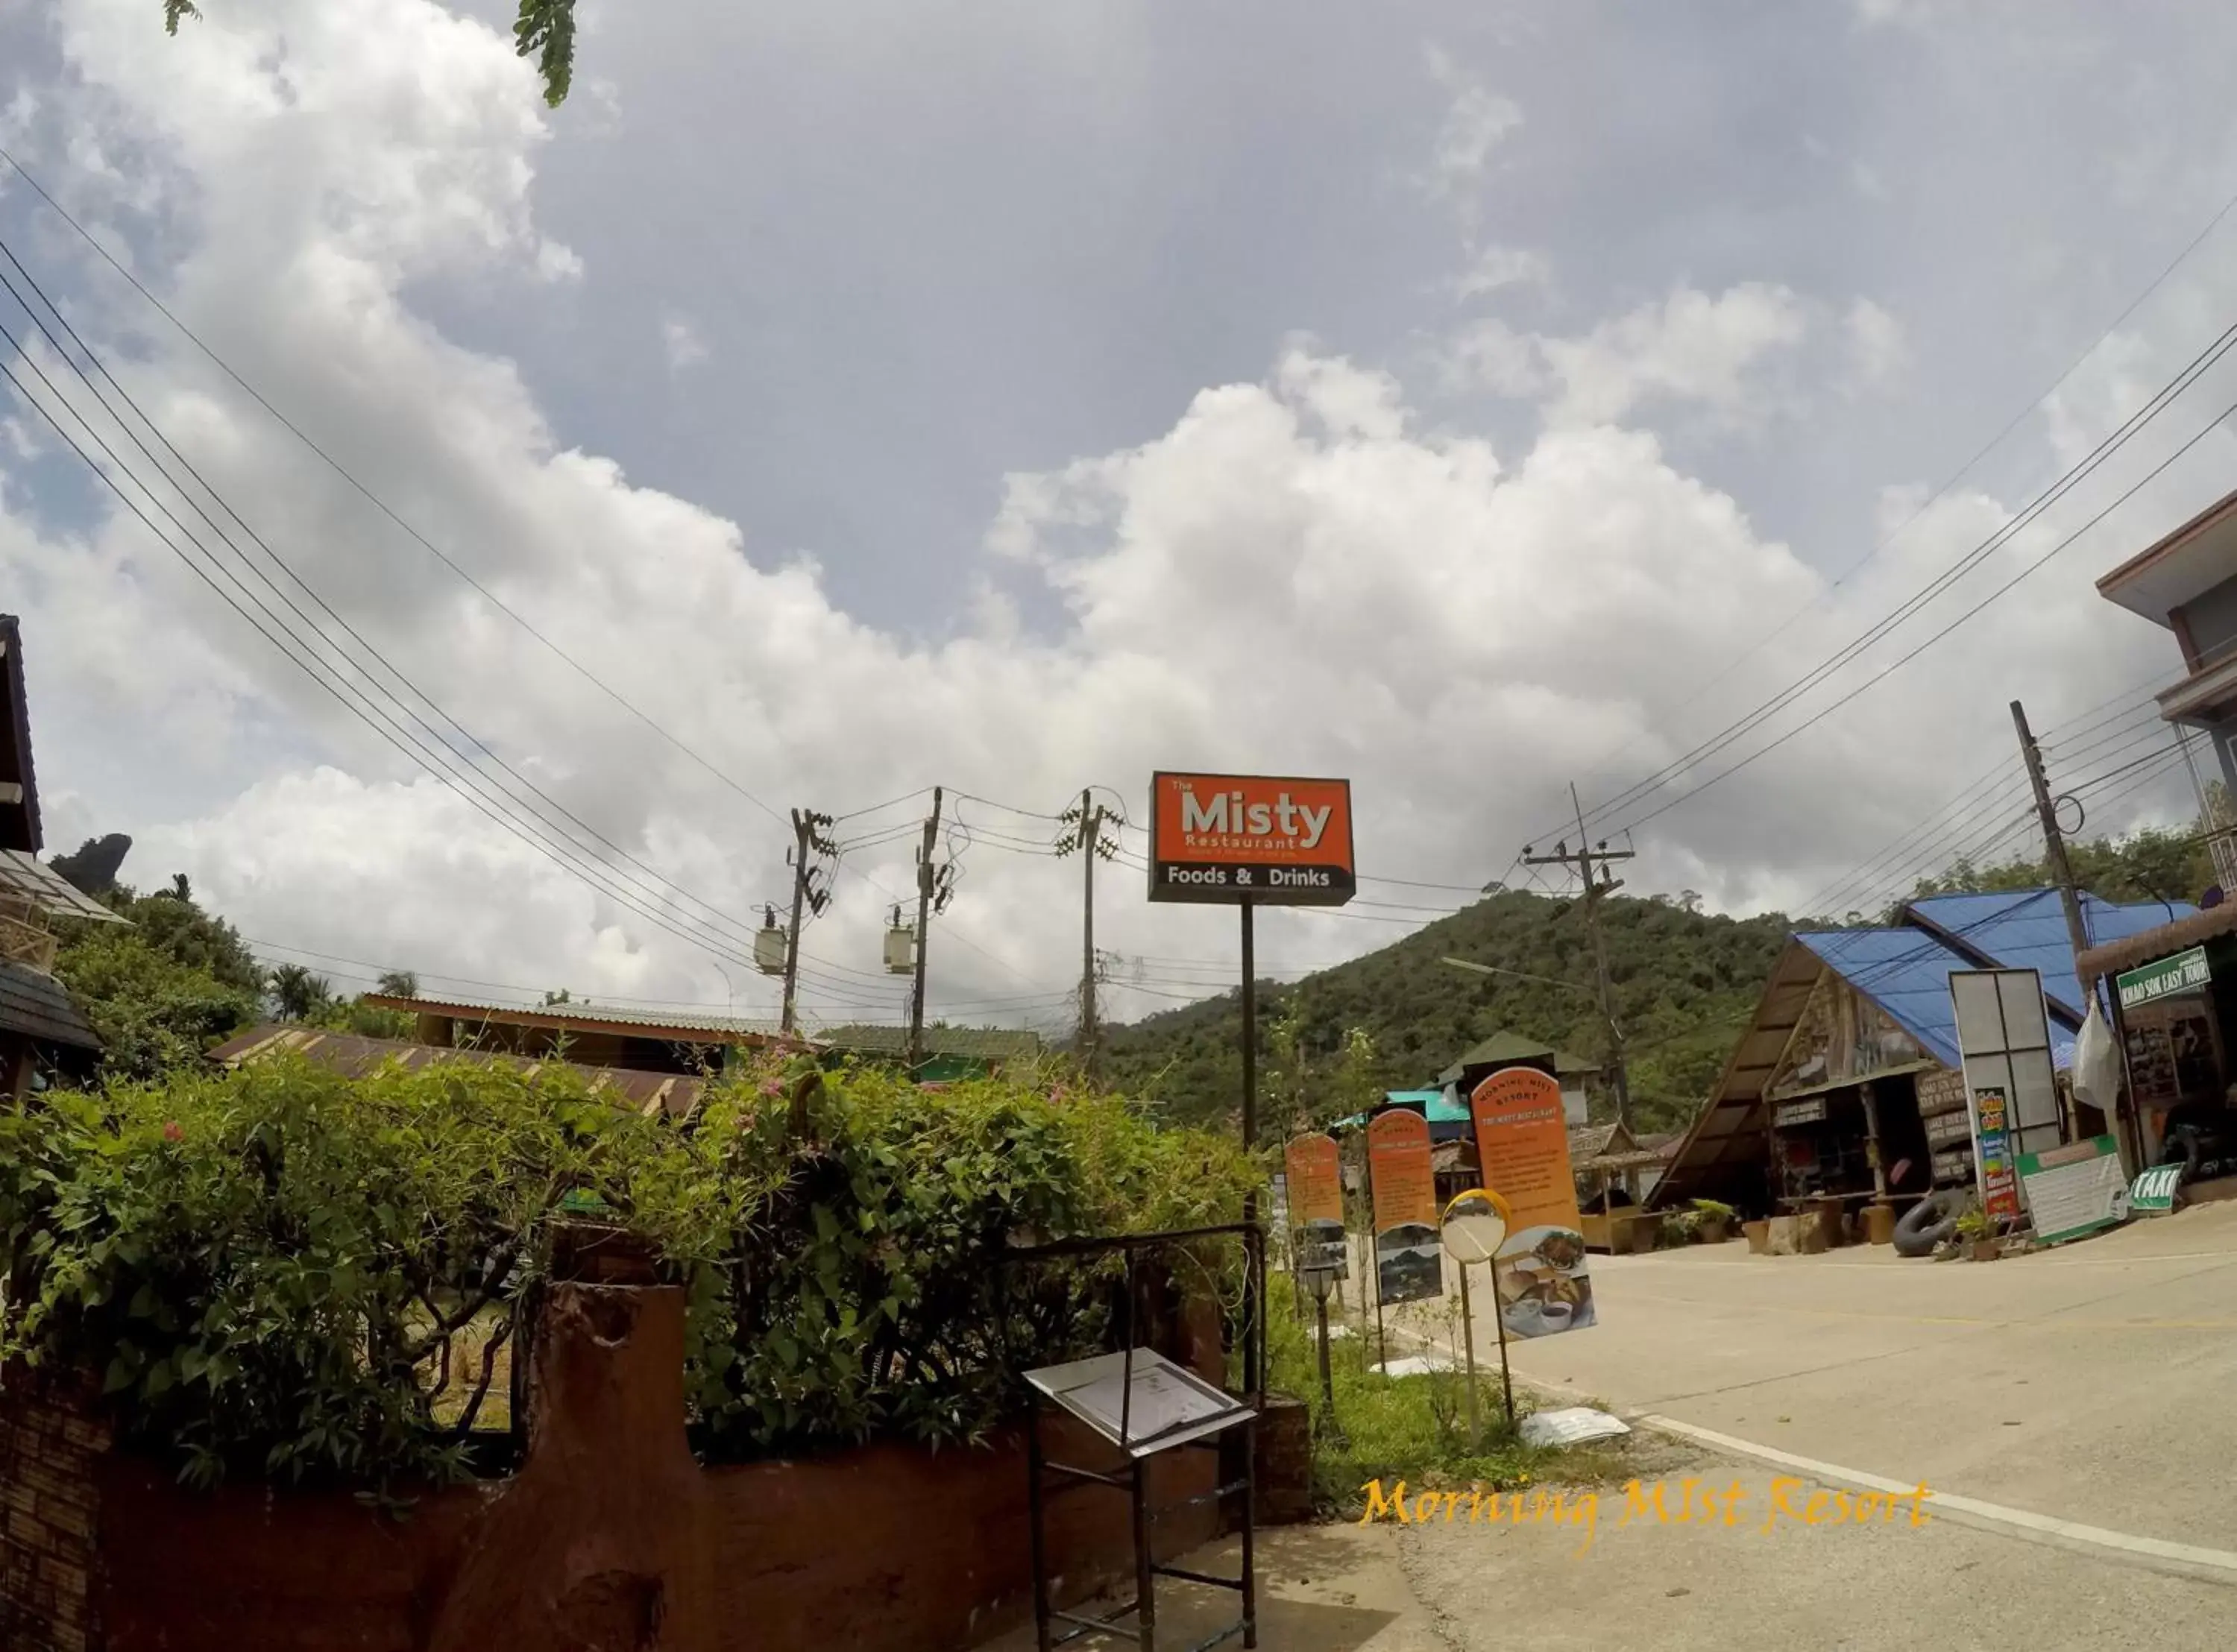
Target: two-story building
x=2172, y=985
x=2187, y=582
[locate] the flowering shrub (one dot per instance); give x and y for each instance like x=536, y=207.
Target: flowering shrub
x=274, y=1272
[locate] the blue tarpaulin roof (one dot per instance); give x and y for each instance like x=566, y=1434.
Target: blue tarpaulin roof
x=1906, y=970
x=2027, y=930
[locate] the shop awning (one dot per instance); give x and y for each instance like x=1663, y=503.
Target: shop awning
x=2147, y=946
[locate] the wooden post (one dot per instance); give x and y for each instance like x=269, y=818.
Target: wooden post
x=1872, y=1154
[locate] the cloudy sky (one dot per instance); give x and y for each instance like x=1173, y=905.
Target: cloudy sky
x=829, y=402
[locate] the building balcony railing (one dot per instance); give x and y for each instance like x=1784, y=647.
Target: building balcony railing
x=28, y=944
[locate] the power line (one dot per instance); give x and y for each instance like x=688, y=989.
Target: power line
x=381, y=504
x=340, y=654
x=1852, y=696
x=1918, y=600
x=1912, y=841
x=449, y=771
x=1994, y=442
x=724, y=948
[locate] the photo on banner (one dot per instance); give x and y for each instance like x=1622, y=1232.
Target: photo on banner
x=1409, y=1254
x=1522, y=1143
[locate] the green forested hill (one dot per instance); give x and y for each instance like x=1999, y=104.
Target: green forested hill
x=1685, y=983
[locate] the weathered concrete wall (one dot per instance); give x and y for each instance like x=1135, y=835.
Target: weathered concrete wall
x=611, y=1538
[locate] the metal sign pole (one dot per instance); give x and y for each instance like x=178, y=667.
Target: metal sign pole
x=1325, y=1279
x=1253, y=1376
x=1382, y=1344
x=1467, y=1341
x=1499, y=1319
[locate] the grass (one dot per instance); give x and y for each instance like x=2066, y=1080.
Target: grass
x=1412, y=1428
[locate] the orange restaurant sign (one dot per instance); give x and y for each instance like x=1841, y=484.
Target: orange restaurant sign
x=1522, y=1144
x=1408, y=1259
x=1316, y=1180
x=1249, y=838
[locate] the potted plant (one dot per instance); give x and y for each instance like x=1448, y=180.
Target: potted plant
x=1712, y=1220
x=1680, y=1228
x=1976, y=1232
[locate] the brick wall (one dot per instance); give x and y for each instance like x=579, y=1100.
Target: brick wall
x=50, y=1451
x=1285, y=1476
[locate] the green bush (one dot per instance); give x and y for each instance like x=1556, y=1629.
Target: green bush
x=270, y=1271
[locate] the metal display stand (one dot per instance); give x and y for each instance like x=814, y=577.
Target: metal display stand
x=1183, y=1412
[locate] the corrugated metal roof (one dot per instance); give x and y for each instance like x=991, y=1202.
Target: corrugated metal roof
x=1591, y=1141
x=1905, y=972
x=29, y=879
x=2026, y=930
x=36, y=1006
x=353, y=1057
x=683, y=1027
x=981, y=1043
x=978, y=1043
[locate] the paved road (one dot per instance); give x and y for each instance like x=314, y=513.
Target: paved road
x=2094, y=1383
x=1692, y=1587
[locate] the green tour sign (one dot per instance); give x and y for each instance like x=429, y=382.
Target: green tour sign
x=2164, y=979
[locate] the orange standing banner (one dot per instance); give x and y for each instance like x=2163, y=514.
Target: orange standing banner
x=1522, y=1143
x=1408, y=1259
x=1316, y=1180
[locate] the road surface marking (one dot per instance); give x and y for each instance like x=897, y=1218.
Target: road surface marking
x=2045, y=1323
x=2189, y=1560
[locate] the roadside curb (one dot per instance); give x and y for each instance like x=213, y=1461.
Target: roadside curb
x=2156, y=1554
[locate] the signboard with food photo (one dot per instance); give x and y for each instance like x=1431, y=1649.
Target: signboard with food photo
x=1408, y=1255
x=1522, y=1143
x=1315, y=1189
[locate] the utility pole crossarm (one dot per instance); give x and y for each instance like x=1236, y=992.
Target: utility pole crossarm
x=1597, y=884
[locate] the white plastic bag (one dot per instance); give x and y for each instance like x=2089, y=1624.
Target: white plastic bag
x=1573, y=1426
x=2096, y=1063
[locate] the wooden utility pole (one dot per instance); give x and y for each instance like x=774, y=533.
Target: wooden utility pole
x=1597, y=884
x=2054, y=841
x=788, y=1019
x=808, y=839
x=924, y=882
x=1091, y=842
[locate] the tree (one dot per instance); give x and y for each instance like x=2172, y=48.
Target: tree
x=162, y=987
x=299, y=994
x=397, y=983
x=175, y=925
x=153, y=1012
x=544, y=29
